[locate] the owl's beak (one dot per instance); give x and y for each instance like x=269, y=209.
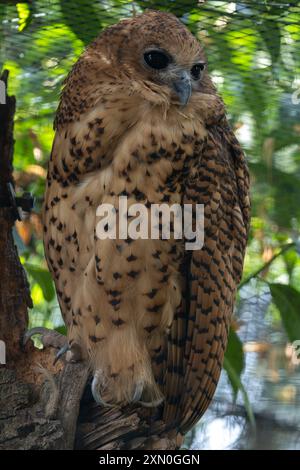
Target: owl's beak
x=183, y=87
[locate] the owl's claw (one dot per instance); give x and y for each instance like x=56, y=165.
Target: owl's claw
x=95, y=391
x=61, y=352
x=138, y=392
x=34, y=331
x=151, y=404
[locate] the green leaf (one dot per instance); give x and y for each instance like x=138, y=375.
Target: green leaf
x=43, y=279
x=61, y=329
x=25, y=15
x=234, y=365
x=287, y=300
x=290, y=258
x=234, y=377
x=235, y=357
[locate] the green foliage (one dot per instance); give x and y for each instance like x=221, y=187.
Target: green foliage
x=234, y=360
x=89, y=15
x=43, y=278
x=235, y=380
x=173, y=6
x=287, y=300
x=25, y=11
x=62, y=330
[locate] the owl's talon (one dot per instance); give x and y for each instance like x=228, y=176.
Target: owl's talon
x=95, y=391
x=151, y=404
x=48, y=337
x=39, y=330
x=61, y=352
x=138, y=392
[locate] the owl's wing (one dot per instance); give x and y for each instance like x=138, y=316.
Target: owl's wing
x=198, y=336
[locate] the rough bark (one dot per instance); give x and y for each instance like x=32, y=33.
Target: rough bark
x=14, y=293
x=43, y=406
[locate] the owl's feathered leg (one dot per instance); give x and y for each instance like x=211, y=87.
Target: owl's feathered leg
x=51, y=338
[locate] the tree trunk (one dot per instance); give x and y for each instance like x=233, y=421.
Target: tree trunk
x=46, y=406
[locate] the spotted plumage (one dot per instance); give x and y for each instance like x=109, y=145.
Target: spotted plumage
x=151, y=318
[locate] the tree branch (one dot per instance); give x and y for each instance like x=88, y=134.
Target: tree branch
x=256, y=273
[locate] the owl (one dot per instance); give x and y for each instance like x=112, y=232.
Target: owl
x=139, y=118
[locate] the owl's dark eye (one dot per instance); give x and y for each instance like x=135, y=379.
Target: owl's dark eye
x=197, y=69
x=156, y=59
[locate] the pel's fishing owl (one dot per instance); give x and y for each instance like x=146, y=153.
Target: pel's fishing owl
x=139, y=117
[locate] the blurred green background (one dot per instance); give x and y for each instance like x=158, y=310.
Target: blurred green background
x=253, y=51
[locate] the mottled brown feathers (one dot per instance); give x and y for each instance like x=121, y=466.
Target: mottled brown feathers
x=150, y=316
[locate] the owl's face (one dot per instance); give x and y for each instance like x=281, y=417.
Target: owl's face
x=157, y=51
x=165, y=68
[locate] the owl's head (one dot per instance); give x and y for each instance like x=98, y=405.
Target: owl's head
x=157, y=52
x=152, y=57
